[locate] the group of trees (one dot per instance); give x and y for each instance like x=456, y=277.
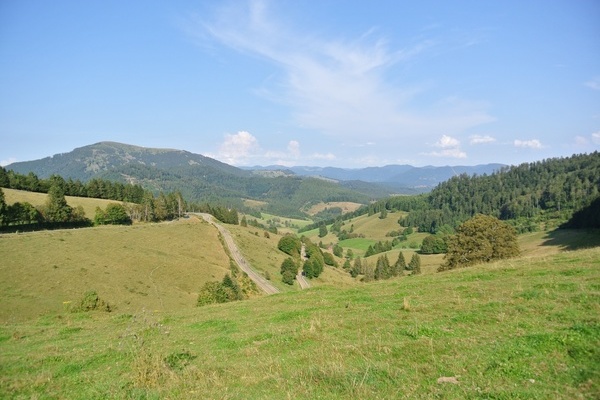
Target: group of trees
x=549, y=189
x=312, y=266
x=95, y=188
x=383, y=268
x=54, y=213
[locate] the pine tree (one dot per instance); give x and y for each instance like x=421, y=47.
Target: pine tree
x=57, y=209
x=399, y=265
x=415, y=264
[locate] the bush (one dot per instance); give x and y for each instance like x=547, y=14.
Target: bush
x=481, y=239
x=433, y=244
x=290, y=245
x=92, y=302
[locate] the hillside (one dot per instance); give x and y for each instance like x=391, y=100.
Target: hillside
x=404, y=179
x=523, y=328
x=39, y=199
x=198, y=178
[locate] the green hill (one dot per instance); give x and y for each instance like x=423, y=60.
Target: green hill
x=198, y=178
x=523, y=328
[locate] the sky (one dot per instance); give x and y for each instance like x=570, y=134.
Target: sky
x=342, y=83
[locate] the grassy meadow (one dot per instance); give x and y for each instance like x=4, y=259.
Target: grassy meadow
x=518, y=329
x=148, y=266
x=524, y=328
x=39, y=199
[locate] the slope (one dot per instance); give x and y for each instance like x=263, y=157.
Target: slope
x=525, y=328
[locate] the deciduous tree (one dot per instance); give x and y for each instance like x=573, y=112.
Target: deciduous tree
x=481, y=239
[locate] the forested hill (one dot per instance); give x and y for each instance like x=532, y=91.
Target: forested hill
x=198, y=178
x=85, y=163
x=539, y=191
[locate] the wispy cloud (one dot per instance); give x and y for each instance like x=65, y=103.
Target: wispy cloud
x=594, y=83
x=477, y=139
x=596, y=137
x=339, y=86
x=531, y=144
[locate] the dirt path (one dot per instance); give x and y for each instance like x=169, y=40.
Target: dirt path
x=260, y=281
x=302, y=281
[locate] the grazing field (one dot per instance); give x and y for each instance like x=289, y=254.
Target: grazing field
x=517, y=329
x=150, y=266
x=39, y=199
x=346, y=206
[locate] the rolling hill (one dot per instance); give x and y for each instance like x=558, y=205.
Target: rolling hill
x=198, y=178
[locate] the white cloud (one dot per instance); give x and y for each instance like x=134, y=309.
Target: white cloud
x=477, y=139
x=450, y=148
x=339, y=87
x=596, y=137
x=243, y=148
x=294, y=148
x=10, y=160
x=531, y=144
x=447, y=141
x=238, y=148
x=594, y=83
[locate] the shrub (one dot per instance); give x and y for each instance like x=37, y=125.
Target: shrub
x=92, y=302
x=481, y=239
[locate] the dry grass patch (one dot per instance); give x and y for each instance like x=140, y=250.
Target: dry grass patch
x=153, y=266
x=346, y=206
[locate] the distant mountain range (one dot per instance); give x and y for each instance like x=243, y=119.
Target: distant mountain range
x=283, y=190
x=401, y=178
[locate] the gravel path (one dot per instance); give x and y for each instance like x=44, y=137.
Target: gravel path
x=260, y=281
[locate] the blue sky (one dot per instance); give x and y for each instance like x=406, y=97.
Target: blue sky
x=321, y=83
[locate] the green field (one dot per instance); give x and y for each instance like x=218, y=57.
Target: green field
x=517, y=329
x=524, y=328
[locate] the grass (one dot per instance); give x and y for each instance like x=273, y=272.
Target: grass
x=153, y=266
x=346, y=206
x=39, y=199
x=518, y=329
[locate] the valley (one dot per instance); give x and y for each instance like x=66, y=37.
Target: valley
x=114, y=311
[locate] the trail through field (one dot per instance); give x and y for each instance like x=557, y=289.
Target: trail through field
x=302, y=281
x=262, y=283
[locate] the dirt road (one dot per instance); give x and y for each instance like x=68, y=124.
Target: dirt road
x=302, y=281
x=260, y=281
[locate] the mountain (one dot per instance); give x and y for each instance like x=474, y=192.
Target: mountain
x=102, y=158
x=399, y=178
x=198, y=178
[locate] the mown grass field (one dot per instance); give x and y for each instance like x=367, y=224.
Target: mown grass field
x=525, y=328
x=39, y=199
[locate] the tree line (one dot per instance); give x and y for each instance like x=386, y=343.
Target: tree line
x=546, y=190
x=95, y=188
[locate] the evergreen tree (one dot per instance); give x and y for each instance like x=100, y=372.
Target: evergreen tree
x=382, y=268
x=57, y=209
x=3, y=208
x=399, y=265
x=356, y=268
x=415, y=264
